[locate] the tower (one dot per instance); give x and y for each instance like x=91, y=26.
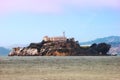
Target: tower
x=64, y=34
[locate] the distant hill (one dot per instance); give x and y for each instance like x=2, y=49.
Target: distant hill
x=4, y=51
x=113, y=40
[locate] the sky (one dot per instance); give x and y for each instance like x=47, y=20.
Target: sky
x=26, y=21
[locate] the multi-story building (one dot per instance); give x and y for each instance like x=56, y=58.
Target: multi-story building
x=59, y=38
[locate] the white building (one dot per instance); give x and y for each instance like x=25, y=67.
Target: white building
x=59, y=38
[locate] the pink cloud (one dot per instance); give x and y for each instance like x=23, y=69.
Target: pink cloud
x=29, y=5
x=95, y=3
x=53, y=6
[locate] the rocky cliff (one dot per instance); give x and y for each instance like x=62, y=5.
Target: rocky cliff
x=70, y=47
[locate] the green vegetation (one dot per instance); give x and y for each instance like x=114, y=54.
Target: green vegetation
x=60, y=68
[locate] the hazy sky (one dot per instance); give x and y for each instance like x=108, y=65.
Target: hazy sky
x=26, y=21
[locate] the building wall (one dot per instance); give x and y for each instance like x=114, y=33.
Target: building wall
x=46, y=38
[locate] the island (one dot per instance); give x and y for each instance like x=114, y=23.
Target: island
x=60, y=46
